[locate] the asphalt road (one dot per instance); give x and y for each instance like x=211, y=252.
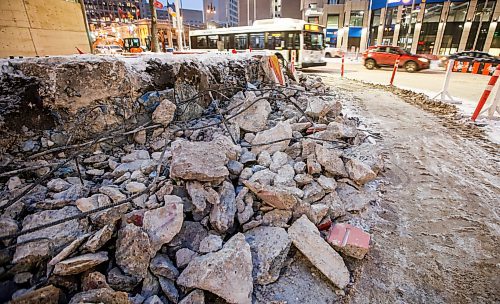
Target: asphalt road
x=463, y=87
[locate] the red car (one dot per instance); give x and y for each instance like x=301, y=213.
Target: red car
x=384, y=55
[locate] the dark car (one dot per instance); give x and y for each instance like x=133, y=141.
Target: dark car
x=384, y=55
x=477, y=56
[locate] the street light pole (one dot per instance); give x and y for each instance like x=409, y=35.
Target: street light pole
x=179, y=25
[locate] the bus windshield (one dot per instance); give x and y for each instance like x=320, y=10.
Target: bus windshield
x=313, y=41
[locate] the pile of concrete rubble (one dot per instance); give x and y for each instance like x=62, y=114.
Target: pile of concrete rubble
x=210, y=196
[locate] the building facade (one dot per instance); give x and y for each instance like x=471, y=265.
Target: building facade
x=101, y=13
x=251, y=10
x=438, y=27
x=221, y=12
x=42, y=27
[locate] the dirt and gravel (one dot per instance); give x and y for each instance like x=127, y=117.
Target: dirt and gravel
x=436, y=230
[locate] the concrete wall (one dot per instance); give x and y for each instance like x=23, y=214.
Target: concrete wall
x=41, y=27
x=290, y=9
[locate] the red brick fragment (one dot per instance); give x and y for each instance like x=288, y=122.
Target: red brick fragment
x=350, y=240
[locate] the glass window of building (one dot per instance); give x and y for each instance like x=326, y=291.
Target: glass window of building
x=389, y=24
x=407, y=26
x=314, y=19
x=374, y=24
x=495, y=44
x=332, y=21
x=480, y=24
x=430, y=24
x=356, y=18
x=452, y=34
x=336, y=1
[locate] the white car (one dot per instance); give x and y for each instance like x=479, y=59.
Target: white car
x=108, y=49
x=333, y=52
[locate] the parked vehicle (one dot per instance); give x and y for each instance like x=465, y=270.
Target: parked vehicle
x=469, y=56
x=108, y=49
x=331, y=52
x=384, y=55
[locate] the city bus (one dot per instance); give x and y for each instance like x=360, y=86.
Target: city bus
x=284, y=37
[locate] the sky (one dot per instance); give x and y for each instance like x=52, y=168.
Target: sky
x=192, y=4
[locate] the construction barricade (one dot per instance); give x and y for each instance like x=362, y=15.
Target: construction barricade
x=474, y=67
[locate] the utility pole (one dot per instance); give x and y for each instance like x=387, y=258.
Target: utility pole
x=154, y=36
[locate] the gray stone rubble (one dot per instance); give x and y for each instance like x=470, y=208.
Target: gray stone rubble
x=238, y=209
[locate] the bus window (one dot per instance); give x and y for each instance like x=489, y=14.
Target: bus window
x=240, y=41
x=275, y=41
x=228, y=44
x=212, y=41
x=201, y=42
x=292, y=40
x=257, y=41
x=313, y=41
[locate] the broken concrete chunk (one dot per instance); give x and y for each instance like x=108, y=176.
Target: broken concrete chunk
x=254, y=116
x=359, y=172
x=164, y=112
x=46, y=295
x=195, y=297
x=222, y=214
x=57, y=236
x=327, y=183
x=80, y=263
x=330, y=160
x=285, y=176
x=99, y=238
x=269, y=247
x=94, y=280
x=163, y=223
x=280, y=198
x=68, y=250
x=349, y=240
x=209, y=272
x=191, y=161
x=211, y=243
x=133, y=250
x=104, y=217
x=58, y=185
x=282, y=133
x=119, y=281
x=277, y=218
x=184, y=256
x=313, y=192
x=135, y=187
x=113, y=193
x=318, y=107
x=201, y=194
x=169, y=289
x=190, y=236
x=305, y=236
x=161, y=265
x=337, y=130
x=102, y=295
